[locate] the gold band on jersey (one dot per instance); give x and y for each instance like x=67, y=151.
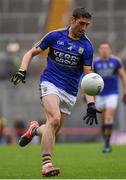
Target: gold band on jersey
x=87, y=68
x=39, y=49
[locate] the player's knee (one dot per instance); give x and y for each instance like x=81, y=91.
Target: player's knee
x=109, y=119
x=55, y=123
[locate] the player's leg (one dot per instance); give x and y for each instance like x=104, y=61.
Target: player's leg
x=107, y=128
x=48, y=132
x=63, y=117
x=102, y=122
x=108, y=118
x=100, y=105
x=30, y=133
x=46, y=88
x=51, y=107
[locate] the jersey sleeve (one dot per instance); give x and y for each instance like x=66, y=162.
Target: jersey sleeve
x=119, y=64
x=45, y=42
x=88, y=57
x=94, y=64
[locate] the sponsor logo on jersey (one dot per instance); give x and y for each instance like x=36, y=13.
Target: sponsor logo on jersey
x=65, y=58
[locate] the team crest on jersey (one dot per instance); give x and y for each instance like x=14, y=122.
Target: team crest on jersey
x=45, y=89
x=81, y=50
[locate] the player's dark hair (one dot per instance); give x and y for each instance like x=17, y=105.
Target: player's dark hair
x=81, y=13
x=105, y=42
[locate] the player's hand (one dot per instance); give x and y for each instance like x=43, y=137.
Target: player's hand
x=19, y=77
x=124, y=99
x=91, y=116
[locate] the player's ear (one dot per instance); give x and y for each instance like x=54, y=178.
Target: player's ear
x=72, y=19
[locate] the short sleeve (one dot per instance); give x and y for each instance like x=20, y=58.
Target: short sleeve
x=88, y=57
x=45, y=42
x=94, y=65
x=119, y=64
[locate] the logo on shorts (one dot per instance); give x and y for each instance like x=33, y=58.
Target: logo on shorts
x=45, y=89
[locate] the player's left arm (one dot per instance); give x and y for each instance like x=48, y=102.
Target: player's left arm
x=87, y=67
x=91, y=115
x=122, y=75
x=89, y=99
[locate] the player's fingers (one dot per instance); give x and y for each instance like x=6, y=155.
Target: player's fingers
x=23, y=81
x=16, y=81
x=91, y=121
x=13, y=78
x=88, y=119
x=98, y=111
x=96, y=121
x=84, y=118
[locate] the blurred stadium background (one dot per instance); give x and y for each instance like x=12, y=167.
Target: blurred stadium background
x=22, y=24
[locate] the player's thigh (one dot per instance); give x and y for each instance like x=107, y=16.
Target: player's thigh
x=109, y=115
x=51, y=103
x=100, y=103
x=102, y=116
x=111, y=101
x=110, y=104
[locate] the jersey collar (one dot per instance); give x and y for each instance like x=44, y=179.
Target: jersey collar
x=70, y=36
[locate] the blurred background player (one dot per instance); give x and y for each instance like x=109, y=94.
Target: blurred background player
x=5, y=133
x=70, y=55
x=110, y=68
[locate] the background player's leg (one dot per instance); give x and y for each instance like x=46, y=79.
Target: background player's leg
x=108, y=126
x=102, y=122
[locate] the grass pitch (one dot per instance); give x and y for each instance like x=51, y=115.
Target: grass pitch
x=77, y=161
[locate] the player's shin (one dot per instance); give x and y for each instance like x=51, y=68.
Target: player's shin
x=107, y=132
x=48, y=142
x=39, y=130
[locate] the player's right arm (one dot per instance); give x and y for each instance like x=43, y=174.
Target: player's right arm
x=26, y=60
x=43, y=44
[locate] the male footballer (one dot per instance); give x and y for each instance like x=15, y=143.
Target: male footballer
x=70, y=55
x=110, y=68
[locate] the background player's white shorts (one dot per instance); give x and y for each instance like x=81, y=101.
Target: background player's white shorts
x=67, y=101
x=109, y=101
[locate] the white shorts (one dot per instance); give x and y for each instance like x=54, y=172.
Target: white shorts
x=108, y=101
x=67, y=101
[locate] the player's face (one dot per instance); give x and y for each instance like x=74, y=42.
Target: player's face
x=104, y=51
x=79, y=26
